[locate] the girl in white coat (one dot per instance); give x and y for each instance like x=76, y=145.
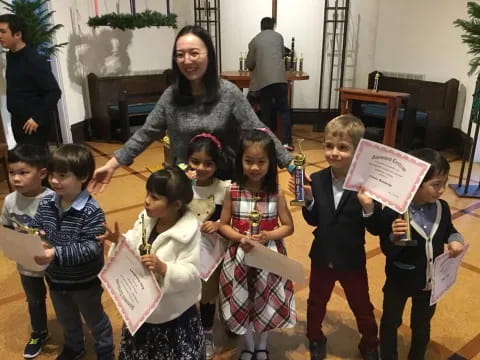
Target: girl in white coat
x=173, y=330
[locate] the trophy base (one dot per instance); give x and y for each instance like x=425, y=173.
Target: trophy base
x=405, y=242
x=297, y=202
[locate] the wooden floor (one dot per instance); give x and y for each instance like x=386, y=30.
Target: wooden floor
x=455, y=327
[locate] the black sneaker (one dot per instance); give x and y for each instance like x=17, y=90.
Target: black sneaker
x=318, y=350
x=68, y=354
x=34, y=345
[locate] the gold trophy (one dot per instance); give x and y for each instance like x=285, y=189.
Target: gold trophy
x=299, y=162
x=24, y=228
x=29, y=230
x=407, y=239
x=145, y=247
x=254, y=218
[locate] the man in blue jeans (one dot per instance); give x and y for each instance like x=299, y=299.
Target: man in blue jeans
x=269, y=78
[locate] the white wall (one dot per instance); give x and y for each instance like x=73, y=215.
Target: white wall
x=363, y=23
x=303, y=19
x=104, y=51
x=419, y=37
x=240, y=22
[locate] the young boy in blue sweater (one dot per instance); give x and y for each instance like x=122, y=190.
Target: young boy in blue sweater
x=71, y=220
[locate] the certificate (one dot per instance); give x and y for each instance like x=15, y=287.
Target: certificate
x=22, y=248
x=212, y=251
x=263, y=258
x=387, y=175
x=131, y=285
x=445, y=269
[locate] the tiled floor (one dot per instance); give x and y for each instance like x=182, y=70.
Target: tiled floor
x=455, y=327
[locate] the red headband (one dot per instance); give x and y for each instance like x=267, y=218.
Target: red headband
x=208, y=136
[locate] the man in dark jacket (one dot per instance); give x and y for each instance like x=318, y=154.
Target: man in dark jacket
x=32, y=91
x=268, y=77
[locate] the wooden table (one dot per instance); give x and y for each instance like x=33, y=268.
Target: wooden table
x=391, y=98
x=242, y=80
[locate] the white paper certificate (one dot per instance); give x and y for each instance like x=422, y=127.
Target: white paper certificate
x=22, y=248
x=445, y=269
x=389, y=176
x=212, y=251
x=263, y=258
x=131, y=285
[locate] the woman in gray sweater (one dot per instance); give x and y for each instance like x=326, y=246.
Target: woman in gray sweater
x=198, y=101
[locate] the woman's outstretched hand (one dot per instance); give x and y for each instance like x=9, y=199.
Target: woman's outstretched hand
x=112, y=236
x=102, y=176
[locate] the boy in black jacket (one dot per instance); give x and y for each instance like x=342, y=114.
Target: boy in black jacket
x=409, y=269
x=338, y=251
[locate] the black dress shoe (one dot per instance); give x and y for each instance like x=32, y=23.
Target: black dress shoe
x=318, y=350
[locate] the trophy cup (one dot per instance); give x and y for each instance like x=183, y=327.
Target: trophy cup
x=241, y=62
x=28, y=230
x=376, y=81
x=254, y=218
x=299, y=162
x=407, y=239
x=145, y=247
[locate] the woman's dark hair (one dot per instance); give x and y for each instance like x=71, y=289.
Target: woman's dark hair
x=172, y=183
x=182, y=91
x=36, y=156
x=438, y=164
x=75, y=158
x=206, y=142
x=262, y=138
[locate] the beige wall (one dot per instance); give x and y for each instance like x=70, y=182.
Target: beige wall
x=419, y=37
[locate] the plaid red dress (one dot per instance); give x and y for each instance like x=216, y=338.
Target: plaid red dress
x=250, y=294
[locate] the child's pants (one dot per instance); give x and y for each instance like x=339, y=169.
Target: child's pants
x=36, y=292
x=394, y=299
x=88, y=302
x=355, y=285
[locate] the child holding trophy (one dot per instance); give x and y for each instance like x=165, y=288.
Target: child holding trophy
x=409, y=269
x=27, y=167
x=338, y=252
x=167, y=237
x=251, y=299
x=205, y=160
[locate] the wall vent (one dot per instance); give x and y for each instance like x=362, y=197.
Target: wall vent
x=403, y=75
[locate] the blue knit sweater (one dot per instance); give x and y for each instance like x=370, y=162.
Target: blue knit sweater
x=72, y=232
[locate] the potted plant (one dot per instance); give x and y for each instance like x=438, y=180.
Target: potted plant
x=471, y=38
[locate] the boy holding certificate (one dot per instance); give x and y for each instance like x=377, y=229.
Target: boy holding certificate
x=27, y=167
x=71, y=219
x=409, y=269
x=338, y=253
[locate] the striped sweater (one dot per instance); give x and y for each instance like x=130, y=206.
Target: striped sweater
x=72, y=232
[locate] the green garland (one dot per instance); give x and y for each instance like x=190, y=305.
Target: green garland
x=148, y=18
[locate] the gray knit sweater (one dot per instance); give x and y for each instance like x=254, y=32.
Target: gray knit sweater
x=225, y=119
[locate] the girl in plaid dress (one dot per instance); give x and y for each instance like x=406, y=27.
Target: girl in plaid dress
x=251, y=299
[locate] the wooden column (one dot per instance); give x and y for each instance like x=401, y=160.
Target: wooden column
x=274, y=9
